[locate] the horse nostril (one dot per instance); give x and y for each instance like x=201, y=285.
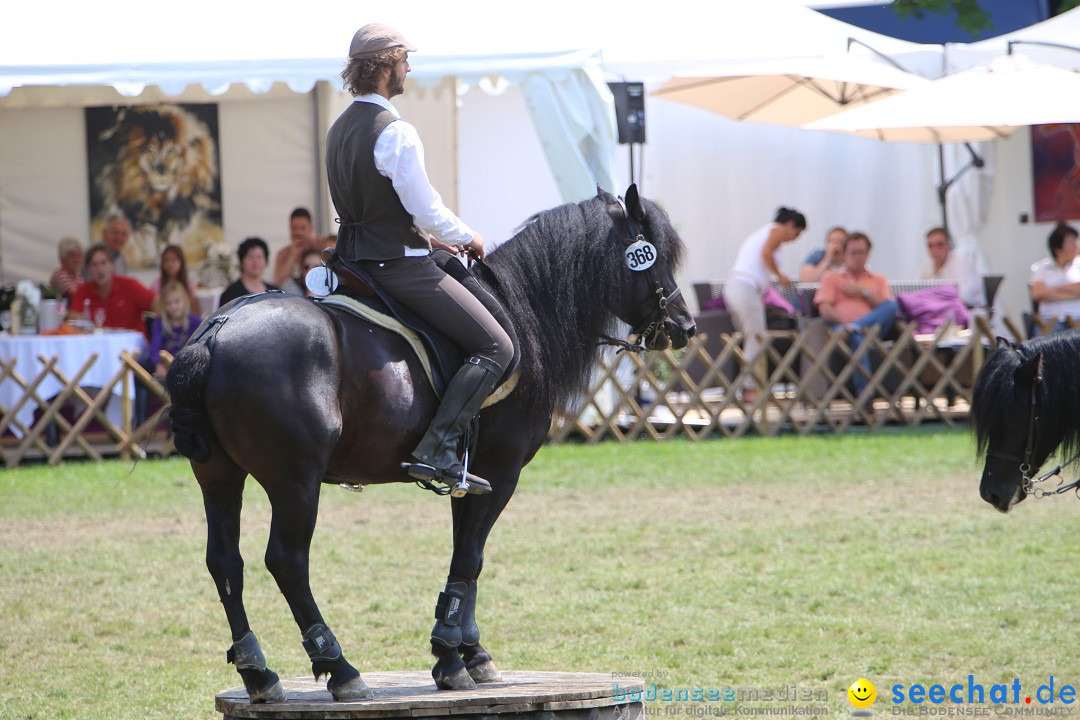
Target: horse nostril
x=691, y=330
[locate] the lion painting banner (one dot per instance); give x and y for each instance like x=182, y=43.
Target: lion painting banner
x=157, y=165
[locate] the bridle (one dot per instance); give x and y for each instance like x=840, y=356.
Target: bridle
x=639, y=251
x=1027, y=483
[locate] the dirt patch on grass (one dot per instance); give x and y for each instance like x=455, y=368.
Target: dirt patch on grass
x=339, y=511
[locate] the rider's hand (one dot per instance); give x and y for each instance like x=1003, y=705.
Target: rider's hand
x=476, y=246
x=437, y=244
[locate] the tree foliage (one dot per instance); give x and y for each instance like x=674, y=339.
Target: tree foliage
x=969, y=14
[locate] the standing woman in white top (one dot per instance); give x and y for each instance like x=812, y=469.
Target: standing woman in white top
x=754, y=263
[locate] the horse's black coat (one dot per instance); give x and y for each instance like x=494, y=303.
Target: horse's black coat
x=1002, y=410
x=297, y=396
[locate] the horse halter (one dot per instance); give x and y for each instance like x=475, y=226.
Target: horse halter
x=1027, y=483
x=641, y=256
x=1029, y=442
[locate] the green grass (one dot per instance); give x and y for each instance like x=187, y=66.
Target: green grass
x=755, y=563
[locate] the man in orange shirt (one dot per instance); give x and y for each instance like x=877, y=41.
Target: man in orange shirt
x=854, y=298
x=118, y=301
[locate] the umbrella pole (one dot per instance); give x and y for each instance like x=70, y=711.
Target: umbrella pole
x=943, y=188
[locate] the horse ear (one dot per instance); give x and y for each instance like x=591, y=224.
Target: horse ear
x=1003, y=343
x=633, y=203
x=605, y=195
x=1030, y=371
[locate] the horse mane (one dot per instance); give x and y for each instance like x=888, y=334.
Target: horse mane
x=997, y=396
x=558, y=277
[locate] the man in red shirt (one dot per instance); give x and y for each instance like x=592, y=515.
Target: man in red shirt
x=123, y=299
x=854, y=298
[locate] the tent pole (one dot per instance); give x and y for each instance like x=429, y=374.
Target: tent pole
x=1061, y=46
x=855, y=41
x=320, y=170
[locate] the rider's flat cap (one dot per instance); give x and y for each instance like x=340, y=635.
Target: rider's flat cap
x=374, y=38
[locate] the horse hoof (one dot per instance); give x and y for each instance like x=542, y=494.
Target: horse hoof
x=485, y=672
x=272, y=694
x=354, y=689
x=457, y=680
x=262, y=686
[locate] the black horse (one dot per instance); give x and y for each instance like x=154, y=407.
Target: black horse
x=297, y=395
x=1026, y=405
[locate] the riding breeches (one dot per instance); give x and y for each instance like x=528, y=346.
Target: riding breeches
x=419, y=284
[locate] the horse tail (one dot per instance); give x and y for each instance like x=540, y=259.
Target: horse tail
x=186, y=383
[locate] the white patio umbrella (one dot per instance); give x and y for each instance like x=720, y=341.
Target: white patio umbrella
x=983, y=103
x=789, y=91
x=986, y=102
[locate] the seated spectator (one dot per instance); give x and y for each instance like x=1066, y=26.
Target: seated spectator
x=1055, y=281
x=68, y=276
x=308, y=261
x=854, y=298
x=114, y=236
x=171, y=329
x=117, y=300
x=301, y=239
x=253, y=254
x=173, y=266
x=948, y=263
x=824, y=259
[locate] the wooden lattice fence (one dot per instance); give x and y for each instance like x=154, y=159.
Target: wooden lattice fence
x=809, y=381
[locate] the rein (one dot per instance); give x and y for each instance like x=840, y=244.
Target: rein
x=1027, y=483
x=641, y=251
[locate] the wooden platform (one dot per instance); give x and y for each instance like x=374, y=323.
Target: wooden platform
x=528, y=695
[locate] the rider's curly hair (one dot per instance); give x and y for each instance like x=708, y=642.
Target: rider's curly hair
x=362, y=75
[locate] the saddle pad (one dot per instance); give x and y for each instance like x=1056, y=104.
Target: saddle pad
x=364, y=311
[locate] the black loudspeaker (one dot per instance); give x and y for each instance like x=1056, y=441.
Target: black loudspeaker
x=629, y=111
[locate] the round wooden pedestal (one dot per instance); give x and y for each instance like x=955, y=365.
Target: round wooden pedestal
x=526, y=695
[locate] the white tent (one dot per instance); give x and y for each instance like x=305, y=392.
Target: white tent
x=497, y=157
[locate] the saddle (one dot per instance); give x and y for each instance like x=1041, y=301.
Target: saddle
x=444, y=357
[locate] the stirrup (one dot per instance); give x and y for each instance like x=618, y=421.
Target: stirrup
x=459, y=483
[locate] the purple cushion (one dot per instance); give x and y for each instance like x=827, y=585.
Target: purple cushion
x=771, y=298
x=716, y=303
x=929, y=309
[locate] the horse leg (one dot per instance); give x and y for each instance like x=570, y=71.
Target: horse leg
x=222, y=484
x=461, y=661
x=295, y=508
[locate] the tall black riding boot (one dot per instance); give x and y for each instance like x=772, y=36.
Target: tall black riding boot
x=437, y=454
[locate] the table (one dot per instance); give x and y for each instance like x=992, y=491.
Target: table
x=34, y=369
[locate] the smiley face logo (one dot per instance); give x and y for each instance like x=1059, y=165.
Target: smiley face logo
x=862, y=693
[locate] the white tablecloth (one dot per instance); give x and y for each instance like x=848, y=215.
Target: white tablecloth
x=71, y=351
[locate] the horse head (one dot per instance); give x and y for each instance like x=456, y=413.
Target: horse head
x=1009, y=395
x=653, y=306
